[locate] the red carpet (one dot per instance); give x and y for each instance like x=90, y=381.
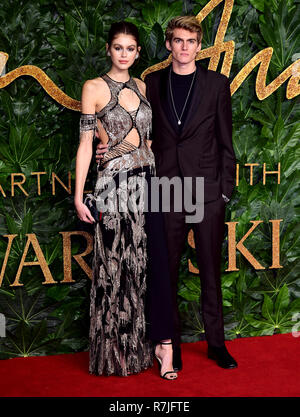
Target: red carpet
x=268, y=366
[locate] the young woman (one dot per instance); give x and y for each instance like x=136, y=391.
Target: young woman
x=115, y=109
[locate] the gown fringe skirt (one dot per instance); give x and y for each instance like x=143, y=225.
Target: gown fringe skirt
x=118, y=342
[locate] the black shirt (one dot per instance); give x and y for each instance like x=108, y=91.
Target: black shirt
x=180, y=85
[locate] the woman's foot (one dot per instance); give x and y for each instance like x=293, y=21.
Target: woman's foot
x=164, y=356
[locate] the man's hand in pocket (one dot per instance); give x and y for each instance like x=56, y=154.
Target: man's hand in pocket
x=100, y=150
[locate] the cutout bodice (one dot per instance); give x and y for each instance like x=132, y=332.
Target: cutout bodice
x=118, y=121
x=127, y=130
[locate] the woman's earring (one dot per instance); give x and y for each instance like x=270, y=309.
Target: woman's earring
x=137, y=55
x=108, y=53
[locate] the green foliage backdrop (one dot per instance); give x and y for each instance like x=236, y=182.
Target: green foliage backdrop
x=67, y=40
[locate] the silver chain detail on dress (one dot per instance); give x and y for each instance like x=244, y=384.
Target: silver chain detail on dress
x=187, y=97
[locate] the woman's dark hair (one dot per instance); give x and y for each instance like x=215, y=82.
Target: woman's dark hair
x=126, y=28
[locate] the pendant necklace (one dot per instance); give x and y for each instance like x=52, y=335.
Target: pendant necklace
x=187, y=97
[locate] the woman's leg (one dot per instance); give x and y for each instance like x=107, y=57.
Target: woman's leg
x=164, y=355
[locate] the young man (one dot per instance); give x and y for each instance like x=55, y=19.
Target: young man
x=192, y=137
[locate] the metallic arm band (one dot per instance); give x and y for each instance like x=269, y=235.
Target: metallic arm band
x=87, y=122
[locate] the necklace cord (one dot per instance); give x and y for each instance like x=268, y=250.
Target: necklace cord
x=187, y=97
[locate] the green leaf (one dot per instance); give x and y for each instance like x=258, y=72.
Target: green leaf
x=266, y=132
x=267, y=308
x=188, y=295
x=57, y=292
x=11, y=225
x=258, y=4
x=282, y=300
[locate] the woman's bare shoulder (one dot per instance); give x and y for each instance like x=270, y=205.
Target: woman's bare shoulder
x=96, y=91
x=94, y=84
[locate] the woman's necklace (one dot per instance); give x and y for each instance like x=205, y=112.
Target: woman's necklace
x=187, y=97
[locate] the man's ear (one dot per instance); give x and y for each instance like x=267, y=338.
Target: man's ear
x=198, y=47
x=168, y=45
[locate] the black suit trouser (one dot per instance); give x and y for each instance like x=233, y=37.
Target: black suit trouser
x=208, y=236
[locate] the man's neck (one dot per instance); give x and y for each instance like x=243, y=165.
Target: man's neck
x=183, y=69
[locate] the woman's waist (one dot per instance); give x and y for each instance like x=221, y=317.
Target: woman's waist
x=112, y=169
x=106, y=178
x=133, y=159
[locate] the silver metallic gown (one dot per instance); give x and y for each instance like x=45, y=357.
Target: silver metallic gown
x=118, y=344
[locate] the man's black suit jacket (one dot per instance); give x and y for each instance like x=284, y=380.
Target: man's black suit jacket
x=204, y=146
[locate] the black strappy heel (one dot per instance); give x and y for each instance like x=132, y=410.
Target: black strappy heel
x=160, y=363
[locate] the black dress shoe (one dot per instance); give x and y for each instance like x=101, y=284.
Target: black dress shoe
x=222, y=357
x=177, y=361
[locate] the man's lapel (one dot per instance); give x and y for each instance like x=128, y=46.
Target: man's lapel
x=199, y=91
x=163, y=95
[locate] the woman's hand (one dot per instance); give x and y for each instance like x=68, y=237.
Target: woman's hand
x=84, y=213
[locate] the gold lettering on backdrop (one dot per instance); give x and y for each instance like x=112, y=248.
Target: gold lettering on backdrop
x=191, y=242
x=3, y=269
x=251, y=171
x=67, y=254
x=233, y=246
x=48, y=85
x=265, y=172
x=237, y=173
x=18, y=183
x=55, y=177
x=276, y=243
x=68, y=187
x=2, y=191
x=271, y=172
x=32, y=239
x=38, y=174
x=261, y=59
